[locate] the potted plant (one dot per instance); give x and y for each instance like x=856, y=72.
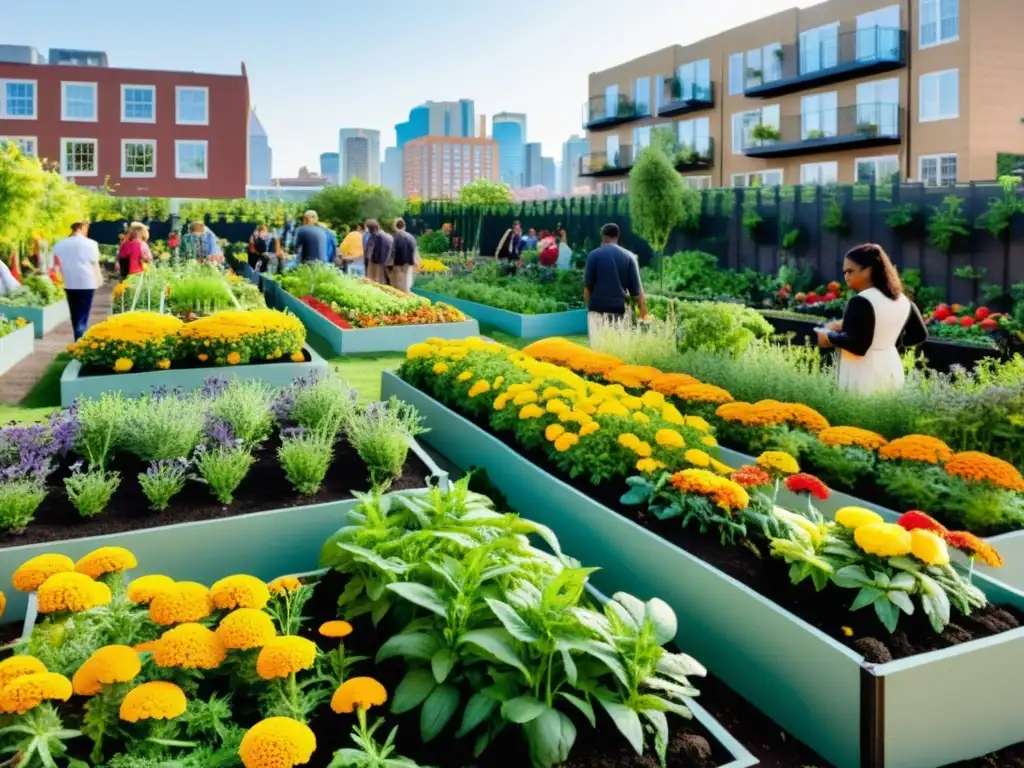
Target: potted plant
x=765, y=133
x=867, y=129
x=813, y=134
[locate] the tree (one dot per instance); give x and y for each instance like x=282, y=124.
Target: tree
x=485, y=192
x=345, y=205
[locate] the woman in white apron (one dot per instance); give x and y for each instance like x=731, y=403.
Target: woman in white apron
x=876, y=320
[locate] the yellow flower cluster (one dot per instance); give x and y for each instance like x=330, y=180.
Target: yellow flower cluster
x=245, y=629
x=778, y=462
x=239, y=591
x=982, y=468
x=238, y=337
x=432, y=266
x=725, y=493
x=106, y=560
x=129, y=340
x=157, y=700
x=71, y=592
x=877, y=537
x=277, y=742
x=189, y=646
x=284, y=656
x=29, y=691
x=180, y=603
x=108, y=665
x=33, y=572
x=923, y=448
x=852, y=436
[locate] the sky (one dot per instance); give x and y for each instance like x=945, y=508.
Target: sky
x=319, y=65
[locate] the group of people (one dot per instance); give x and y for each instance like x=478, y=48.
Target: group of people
x=552, y=247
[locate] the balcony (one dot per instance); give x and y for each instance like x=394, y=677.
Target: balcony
x=797, y=67
x=601, y=164
x=698, y=155
x=680, y=97
x=852, y=127
x=601, y=113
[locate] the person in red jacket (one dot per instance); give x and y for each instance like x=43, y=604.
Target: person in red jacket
x=134, y=250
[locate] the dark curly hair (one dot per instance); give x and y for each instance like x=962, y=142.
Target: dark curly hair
x=884, y=276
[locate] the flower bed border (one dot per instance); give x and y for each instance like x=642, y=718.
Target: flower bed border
x=903, y=714
x=572, y=322
x=391, y=338
x=73, y=385
x=44, y=319
x=262, y=544
x=15, y=347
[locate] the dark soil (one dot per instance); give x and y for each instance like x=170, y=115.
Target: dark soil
x=691, y=746
x=828, y=611
x=264, y=488
x=215, y=370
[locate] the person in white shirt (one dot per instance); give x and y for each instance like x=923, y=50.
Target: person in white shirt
x=7, y=282
x=79, y=260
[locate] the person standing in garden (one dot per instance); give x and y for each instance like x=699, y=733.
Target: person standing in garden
x=405, y=257
x=876, y=320
x=310, y=239
x=134, y=251
x=377, y=252
x=510, y=247
x=352, y=248
x=611, y=275
x=79, y=260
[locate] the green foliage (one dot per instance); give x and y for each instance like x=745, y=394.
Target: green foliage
x=355, y=202
x=790, y=236
x=947, y=224
x=900, y=216
x=752, y=218
x=485, y=192
x=727, y=329
x=834, y=219
x=529, y=291
x=696, y=274
x=433, y=242
x=1007, y=163
x=1002, y=209
x=658, y=200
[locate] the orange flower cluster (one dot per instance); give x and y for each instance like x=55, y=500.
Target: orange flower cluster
x=763, y=414
x=973, y=546
x=923, y=448
x=852, y=436
x=725, y=493
x=981, y=468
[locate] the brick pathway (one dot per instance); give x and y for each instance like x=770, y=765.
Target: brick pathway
x=19, y=381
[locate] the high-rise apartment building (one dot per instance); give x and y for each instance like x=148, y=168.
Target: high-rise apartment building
x=261, y=156
x=509, y=130
x=330, y=166
x=850, y=91
x=438, y=167
x=359, y=155
x=438, y=118
x=547, y=173
x=534, y=175
x=573, y=151
x=391, y=172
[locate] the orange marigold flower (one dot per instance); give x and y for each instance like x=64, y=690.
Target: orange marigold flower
x=19, y=666
x=335, y=629
x=153, y=701
x=915, y=520
x=751, y=477
x=852, y=436
x=105, y=560
x=981, y=468
x=245, y=629
x=702, y=393
x=239, y=591
x=184, y=601
x=284, y=584
x=189, y=646
x=974, y=546
x=108, y=665
x=668, y=383
x=277, y=742
x=283, y=656
x=725, y=493
x=38, y=569
x=922, y=448
x=71, y=592
x=806, y=417
x=29, y=691
x=767, y=413
x=142, y=590
x=361, y=692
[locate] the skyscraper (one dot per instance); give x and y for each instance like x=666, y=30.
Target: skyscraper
x=438, y=118
x=509, y=130
x=330, y=166
x=547, y=166
x=572, y=152
x=534, y=165
x=260, y=155
x=440, y=166
x=391, y=173
x=359, y=155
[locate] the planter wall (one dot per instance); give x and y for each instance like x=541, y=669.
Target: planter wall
x=73, y=385
x=43, y=319
x=392, y=338
x=570, y=323
x=15, y=347
x=905, y=714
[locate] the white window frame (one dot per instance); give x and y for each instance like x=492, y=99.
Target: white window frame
x=64, y=116
x=4, y=82
x=177, y=159
x=741, y=84
x=832, y=165
x=20, y=140
x=178, y=91
x=745, y=177
x=95, y=156
x=938, y=168
x=124, y=116
x=125, y=173
x=939, y=40
x=921, y=89
x=875, y=159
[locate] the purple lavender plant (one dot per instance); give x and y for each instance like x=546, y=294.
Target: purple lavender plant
x=219, y=433
x=214, y=386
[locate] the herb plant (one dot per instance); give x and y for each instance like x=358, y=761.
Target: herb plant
x=91, y=491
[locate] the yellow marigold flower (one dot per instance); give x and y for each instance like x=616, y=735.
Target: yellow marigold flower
x=652, y=399
x=632, y=403
x=297, y=357
x=778, y=461
x=721, y=468
x=361, y=692
x=336, y=629
x=855, y=517
x=556, y=406
x=122, y=365
x=612, y=408
x=142, y=590
x=883, y=539
x=19, y=666
x=643, y=449
x=284, y=584
x=669, y=438
x=500, y=402
x=553, y=431
x=578, y=417
x=672, y=415
x=709, y=441
x=566, y=441
x=642, y=417
x=74, y=592
x=923, y=448
x=525, y=397
x=108, y=665
x=163, y=365
x=585, y=407
x=189, y=646
x=440, y=368
x=851, y=436
x=105, y=560
x=239, y=591
x=147, y=647
x=277, y=742
x=498, y=381
x=589, y=428
x=158, y=700
x=480, y=387
x=283, y=656
x=649, y=465
x=550, y=392
x=184, y=601
x=847, y=631
x=928, y=547
x=723, y=492
x=531, y=411
x=697, y=458
x=29, y=691
x=465, y=376
x=628, y=440
x=980, y=468
x=696, y=422
x=38, y=569
x=419, y=350
x=245, y=629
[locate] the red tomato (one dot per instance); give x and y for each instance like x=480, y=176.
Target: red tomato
x=942, y=312
x=950, y=320
x=988, y=324
x=966, y=322
x=981, y=313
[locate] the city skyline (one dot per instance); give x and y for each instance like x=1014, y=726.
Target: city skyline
x=550, y=89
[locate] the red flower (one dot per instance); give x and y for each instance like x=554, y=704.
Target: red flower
x=914, y=520
x=804, y=483
x=973, y=546
x=326, y=311
x=751, y=477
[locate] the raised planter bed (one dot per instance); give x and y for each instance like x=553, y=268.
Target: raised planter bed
x=903, y=714
x=266, y=532
x=43, y=319
x=570, y=323
x=15, y=347
x=392, y=338
x=74, y=385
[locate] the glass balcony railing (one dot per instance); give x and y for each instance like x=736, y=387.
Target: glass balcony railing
x=680, y=97
x=860, y=125
x=607, y=164
x=606, y=111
